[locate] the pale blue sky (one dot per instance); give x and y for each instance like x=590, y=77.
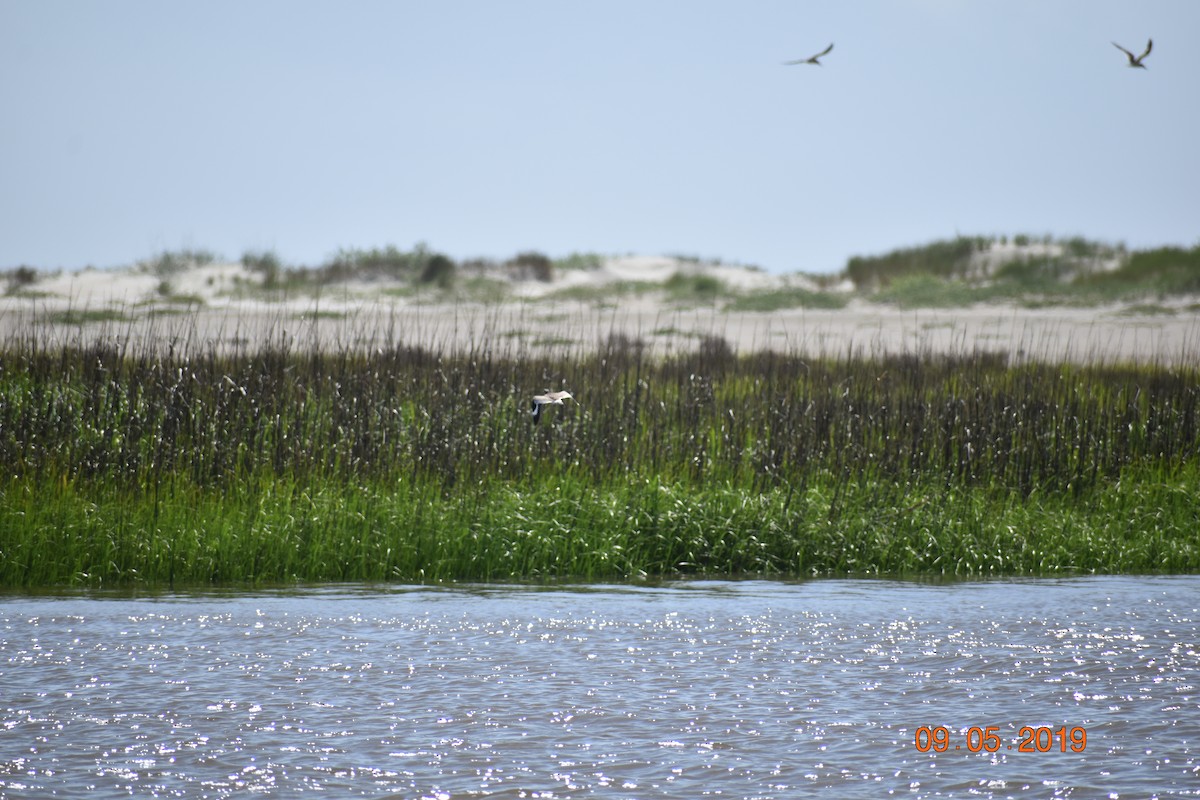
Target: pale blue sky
x=652, y=127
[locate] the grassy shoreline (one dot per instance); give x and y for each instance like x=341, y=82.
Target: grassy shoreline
x=59, y=537
x=128, y=466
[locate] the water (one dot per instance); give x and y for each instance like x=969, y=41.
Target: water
x=729, y=689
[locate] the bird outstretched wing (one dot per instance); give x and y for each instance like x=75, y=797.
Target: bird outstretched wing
x=810, y=59
x=1136, y=61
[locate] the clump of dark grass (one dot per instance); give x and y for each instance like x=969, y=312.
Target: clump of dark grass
x=173, y=262
x=20, y=279
x=388, y=262
x=943, y=259
x=683, y=287
x=1162, y=271
x=184, y=465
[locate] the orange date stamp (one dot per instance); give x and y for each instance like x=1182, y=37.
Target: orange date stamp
x=1030, y=739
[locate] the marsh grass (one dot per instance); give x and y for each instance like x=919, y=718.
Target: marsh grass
x=129, y=464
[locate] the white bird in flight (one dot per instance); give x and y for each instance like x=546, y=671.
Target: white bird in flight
x=540, y=401
x=810, y=59
x=1136, y=61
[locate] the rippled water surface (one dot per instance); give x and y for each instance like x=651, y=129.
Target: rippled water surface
x=746, y=689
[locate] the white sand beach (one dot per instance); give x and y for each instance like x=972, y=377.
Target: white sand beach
x=220, y=306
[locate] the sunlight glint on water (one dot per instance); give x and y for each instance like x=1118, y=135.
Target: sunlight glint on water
x=745, y=689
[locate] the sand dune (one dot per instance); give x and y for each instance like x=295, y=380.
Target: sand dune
x=219, y=306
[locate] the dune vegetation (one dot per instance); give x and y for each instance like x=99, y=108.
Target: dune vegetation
x=1022, y=271
x=1025, y=271
x=127, y=465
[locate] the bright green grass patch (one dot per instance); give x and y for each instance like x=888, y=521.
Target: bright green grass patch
x=83, y=316
x=922, y=290
x=791, y=297
x=605, y=294
x=278, y=533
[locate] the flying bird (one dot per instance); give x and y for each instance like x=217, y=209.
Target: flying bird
x=1136, y=61
x=540, y=401
x=813, y=59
